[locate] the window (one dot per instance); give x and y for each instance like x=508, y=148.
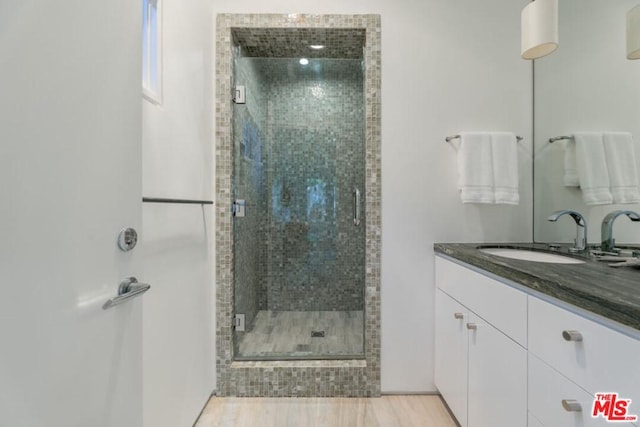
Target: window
x=151, y=50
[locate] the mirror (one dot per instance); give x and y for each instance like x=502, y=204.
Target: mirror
x=587, y=85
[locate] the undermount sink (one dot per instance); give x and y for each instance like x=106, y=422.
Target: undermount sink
x=529, y=255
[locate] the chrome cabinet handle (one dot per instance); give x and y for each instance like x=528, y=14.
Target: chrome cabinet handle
x=472, y=326
x=128, y=288
x=571, y=405
x=572, y=336
x=356, y=207
x=458, y=315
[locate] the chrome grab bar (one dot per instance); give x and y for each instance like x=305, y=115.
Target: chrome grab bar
x=129, y=288
x=356, y=207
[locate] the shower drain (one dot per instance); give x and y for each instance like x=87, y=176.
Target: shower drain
x=317, y=334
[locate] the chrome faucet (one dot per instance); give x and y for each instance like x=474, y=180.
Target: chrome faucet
x=608, y=242
x=580, y=244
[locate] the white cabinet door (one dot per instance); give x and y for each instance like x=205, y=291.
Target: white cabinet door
x=70, y=160
x=497, y=378
x=534, y=422
x=451, y=354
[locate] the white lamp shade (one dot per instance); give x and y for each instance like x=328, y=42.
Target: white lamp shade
x=539, y=28
x=633, y=33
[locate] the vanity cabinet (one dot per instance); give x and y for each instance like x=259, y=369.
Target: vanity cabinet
x=572, y=357
x=505, y=357
x=480, y=324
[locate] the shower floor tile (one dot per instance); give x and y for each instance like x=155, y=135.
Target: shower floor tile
x=278, y=334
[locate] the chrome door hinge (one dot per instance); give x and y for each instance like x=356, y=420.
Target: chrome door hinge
x=239, y=95
x=239, y=207
x=238, y=322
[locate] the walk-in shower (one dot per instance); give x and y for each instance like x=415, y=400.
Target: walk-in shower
x=298, y=176
x=298, y=195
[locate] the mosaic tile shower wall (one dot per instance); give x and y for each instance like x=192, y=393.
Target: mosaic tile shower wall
x=293, y=378
x=292, y=42
x=314, y=159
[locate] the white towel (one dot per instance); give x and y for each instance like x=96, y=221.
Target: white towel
x=488, y=168
x=475, y=168
x=621, y=163
x=570, y=167
x=505, y=168
x=592, y=168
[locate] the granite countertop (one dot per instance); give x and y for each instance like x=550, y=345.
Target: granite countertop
x=613, y=293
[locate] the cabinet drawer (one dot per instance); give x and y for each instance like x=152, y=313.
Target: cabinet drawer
x=603, y=361
x=500, y=305
x=547, y=390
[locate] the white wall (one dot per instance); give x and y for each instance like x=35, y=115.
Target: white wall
x=179, y=325
x=447, y=66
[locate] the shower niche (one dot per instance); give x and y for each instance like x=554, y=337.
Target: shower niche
x=298, y=165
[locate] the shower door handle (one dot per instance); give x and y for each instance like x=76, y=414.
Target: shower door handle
x=356, y=207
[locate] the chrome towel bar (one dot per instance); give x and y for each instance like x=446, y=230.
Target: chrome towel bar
x=559, y=138
x=180, y=201
x=129, y=288
x=449, y=138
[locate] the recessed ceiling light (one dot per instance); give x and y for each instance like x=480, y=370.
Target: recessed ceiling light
x=304, y=61
x=317, y=46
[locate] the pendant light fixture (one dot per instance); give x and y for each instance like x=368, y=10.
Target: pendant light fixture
x=633, y=33
x=539, y=28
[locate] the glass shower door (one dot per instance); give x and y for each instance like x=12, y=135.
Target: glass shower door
x=299, y=249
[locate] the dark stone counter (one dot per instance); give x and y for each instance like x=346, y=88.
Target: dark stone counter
x=613, y=293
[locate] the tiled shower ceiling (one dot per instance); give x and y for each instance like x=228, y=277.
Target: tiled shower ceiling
x=344, y=43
